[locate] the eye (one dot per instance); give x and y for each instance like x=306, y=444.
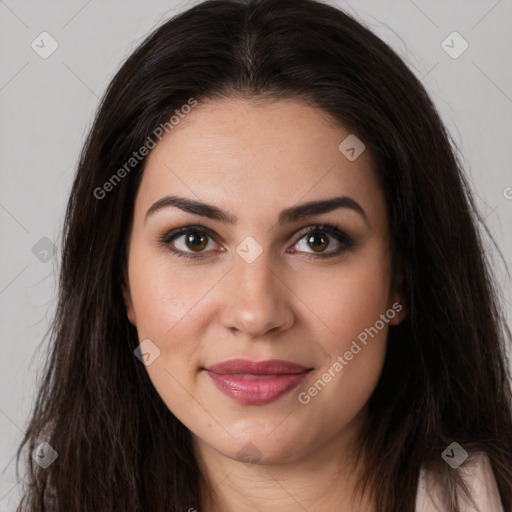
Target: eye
x=319, y=239
x=188, y=240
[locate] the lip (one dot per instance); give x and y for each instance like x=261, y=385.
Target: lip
x=256, y=382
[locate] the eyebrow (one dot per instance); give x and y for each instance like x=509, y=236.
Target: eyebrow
x=288, y=215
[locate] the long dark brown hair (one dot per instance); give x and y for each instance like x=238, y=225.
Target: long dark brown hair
x=445, y=376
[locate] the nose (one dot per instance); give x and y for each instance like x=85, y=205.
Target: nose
x=256, y=299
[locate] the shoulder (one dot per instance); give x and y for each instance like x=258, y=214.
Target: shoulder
x=478, y=474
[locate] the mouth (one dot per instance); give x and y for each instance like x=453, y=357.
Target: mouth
x=255, y=383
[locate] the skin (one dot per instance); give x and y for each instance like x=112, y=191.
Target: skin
x=254, y=160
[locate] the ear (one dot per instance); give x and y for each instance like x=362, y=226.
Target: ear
x=400, y=312
x=397, y=303
x=129, y=305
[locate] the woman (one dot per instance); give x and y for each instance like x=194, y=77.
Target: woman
x=273, y=293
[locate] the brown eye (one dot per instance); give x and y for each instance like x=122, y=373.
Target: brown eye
x=318, y=242
x=196, y=241
x=188, y=242
x=322, y=241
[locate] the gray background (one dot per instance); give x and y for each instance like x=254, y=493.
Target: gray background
x=47, y=105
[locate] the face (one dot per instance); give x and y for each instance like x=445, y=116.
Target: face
x=267, y=320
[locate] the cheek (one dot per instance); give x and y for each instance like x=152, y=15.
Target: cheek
x=354, y=306
x=349, y=300
x=164, y=301
x=162, y=295
x=164, y=306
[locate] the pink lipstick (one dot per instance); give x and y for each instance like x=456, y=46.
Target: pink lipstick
x=254, y=383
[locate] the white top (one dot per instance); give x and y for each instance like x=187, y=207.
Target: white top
x=480, y=481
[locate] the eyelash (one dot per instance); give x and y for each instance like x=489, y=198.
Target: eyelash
x=345, y=240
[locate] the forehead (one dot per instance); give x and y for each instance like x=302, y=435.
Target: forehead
x=252, y=155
